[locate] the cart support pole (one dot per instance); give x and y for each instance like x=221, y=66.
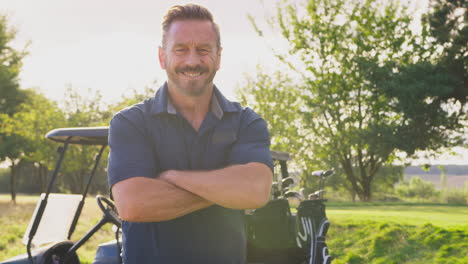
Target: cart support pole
x=79, y=243
x=284, y=169
x=81, y=204
x=43, y=203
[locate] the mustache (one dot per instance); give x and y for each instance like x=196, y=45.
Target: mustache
x=197, y=68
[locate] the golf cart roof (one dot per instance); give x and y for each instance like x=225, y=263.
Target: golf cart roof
x=80, y=135
x=98, y=136
x=281, y=156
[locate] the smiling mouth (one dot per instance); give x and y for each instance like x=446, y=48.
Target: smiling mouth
x=192, y=74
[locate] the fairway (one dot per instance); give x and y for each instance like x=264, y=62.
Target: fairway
x=359, y=233
x=407, y=214
x=396, y=233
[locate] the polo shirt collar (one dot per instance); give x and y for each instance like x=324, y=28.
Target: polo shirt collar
x=160, y=101
x=219, y=104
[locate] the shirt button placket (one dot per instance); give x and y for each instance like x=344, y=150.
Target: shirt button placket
x=195, y=153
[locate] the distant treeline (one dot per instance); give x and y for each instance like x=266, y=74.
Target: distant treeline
x=28, y=182
x=437, y=170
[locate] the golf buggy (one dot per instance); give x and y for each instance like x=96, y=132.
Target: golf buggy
x=275, y=235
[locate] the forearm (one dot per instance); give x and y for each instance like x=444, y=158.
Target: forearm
x=239, y=187
x=141, y=199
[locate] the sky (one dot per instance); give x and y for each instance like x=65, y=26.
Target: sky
x=111, y=45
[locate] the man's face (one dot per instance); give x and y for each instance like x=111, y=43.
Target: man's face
x=190, y=56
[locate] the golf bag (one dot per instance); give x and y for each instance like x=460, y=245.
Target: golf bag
x=277, y=237
x=270, y=233
x=311, y=228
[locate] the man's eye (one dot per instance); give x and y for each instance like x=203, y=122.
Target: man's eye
x=204, y=51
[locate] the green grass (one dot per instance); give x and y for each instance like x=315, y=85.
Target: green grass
x=14, y=220
x=361, y=233
x=398, y=233
x=417, y=214
x=372, y=242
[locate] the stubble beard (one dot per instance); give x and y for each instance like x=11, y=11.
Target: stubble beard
x=193, y=88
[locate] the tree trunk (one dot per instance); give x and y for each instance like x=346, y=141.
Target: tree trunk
x=42, y=173
x=39, y=176
x=36, y=174
x=366, y=191
x=82, y=180
x=367, y=178
x=362, y=182
x=45, y=174
x=13, y=181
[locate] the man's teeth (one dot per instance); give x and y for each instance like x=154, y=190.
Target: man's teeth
x=192, y=74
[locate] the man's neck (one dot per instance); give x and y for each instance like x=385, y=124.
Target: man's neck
x=193, y=108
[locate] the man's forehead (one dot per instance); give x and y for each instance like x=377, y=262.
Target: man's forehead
x=184, y=23
x=186, y=30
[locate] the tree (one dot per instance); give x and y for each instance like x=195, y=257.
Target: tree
x=345, y=115
x=275, y=98
x=10, y=65
x=12, y=147
x=351, y=54
x=10, y=97
x=433, y=99
x=448, y=25
x=88, y=111
x=265, y=92
x=81, y=111
x=37, y=116
x=135, y=97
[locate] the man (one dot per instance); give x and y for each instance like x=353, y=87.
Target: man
x=184, y=164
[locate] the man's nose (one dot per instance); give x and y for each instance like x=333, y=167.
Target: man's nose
x=193, y=58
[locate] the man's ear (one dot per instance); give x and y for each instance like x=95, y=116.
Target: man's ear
x=161, y=57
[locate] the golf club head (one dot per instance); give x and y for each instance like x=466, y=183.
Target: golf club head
x=317, y=173
x=292, y=194
x=316, y=195
x=323, y=173
x=312, y=196
x=320, y=193
x=288, y=182
x=328, y=173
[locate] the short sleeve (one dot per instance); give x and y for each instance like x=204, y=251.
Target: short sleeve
x=131, y=153
x=253, y=144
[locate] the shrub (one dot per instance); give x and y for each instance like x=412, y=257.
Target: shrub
x=455, y=196
x=416, y=188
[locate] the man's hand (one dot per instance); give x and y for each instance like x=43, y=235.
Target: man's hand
x=166, y=175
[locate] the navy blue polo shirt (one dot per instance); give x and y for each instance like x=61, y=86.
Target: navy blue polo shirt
x=151, y=137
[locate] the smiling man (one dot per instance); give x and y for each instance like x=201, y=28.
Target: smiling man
x=184, y=164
